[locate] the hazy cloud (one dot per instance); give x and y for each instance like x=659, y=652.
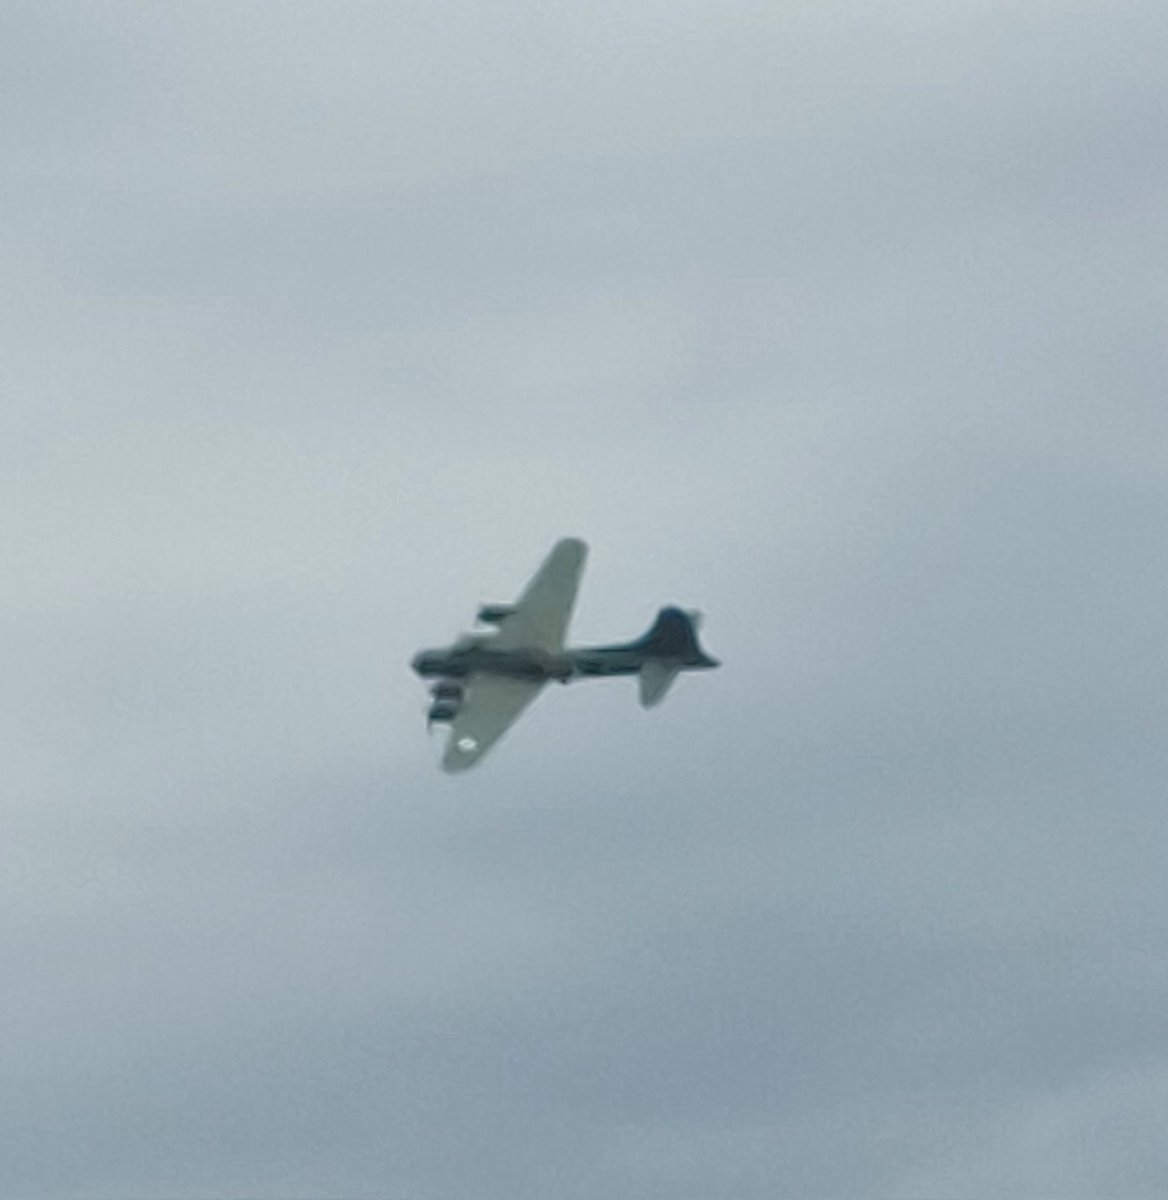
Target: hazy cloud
x=322, y=322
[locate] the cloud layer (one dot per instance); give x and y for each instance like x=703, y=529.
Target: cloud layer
x=322, y=322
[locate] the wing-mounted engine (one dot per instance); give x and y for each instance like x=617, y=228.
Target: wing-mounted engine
x=447, y=700
x=494, y=614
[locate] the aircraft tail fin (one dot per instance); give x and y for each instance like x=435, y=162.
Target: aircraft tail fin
x=674, y=636
x=655, y=679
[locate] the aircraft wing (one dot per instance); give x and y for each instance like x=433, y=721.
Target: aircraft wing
x=490, y=706
x=540, y=617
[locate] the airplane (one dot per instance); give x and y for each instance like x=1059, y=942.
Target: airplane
x=484, y=681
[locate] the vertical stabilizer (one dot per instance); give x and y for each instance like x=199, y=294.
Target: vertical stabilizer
x=655, y=680
x=674, y=638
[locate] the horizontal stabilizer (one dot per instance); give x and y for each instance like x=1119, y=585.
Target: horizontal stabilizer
x=655, y=680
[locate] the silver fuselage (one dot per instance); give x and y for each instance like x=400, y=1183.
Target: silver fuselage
x=460, y=661
x=480, y=658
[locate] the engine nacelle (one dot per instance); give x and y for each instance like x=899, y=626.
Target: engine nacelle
x=494, y=614
x=447, y=701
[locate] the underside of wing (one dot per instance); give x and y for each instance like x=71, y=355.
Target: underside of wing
x=540, y=616
x=491, y=705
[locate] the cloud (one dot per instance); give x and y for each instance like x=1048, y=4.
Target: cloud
x=322, y=323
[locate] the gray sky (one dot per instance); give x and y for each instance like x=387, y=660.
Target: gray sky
x=321, y=322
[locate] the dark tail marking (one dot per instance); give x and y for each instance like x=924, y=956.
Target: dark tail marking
x=674, y=636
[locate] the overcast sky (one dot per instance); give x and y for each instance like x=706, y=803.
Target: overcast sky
x=844, y=323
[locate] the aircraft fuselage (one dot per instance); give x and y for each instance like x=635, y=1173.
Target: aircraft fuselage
x=458, y=662
x=671, y=640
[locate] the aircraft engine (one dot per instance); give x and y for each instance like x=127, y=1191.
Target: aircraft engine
x=447, y=701
x=494, y=614
x=442, y=710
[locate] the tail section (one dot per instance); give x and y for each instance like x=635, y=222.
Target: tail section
x=655, y=679
x=674, y=637
x=670, y=647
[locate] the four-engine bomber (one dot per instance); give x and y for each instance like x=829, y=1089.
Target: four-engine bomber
x=485, y=680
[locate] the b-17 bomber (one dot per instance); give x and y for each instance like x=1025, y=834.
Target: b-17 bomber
x=484, y=681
